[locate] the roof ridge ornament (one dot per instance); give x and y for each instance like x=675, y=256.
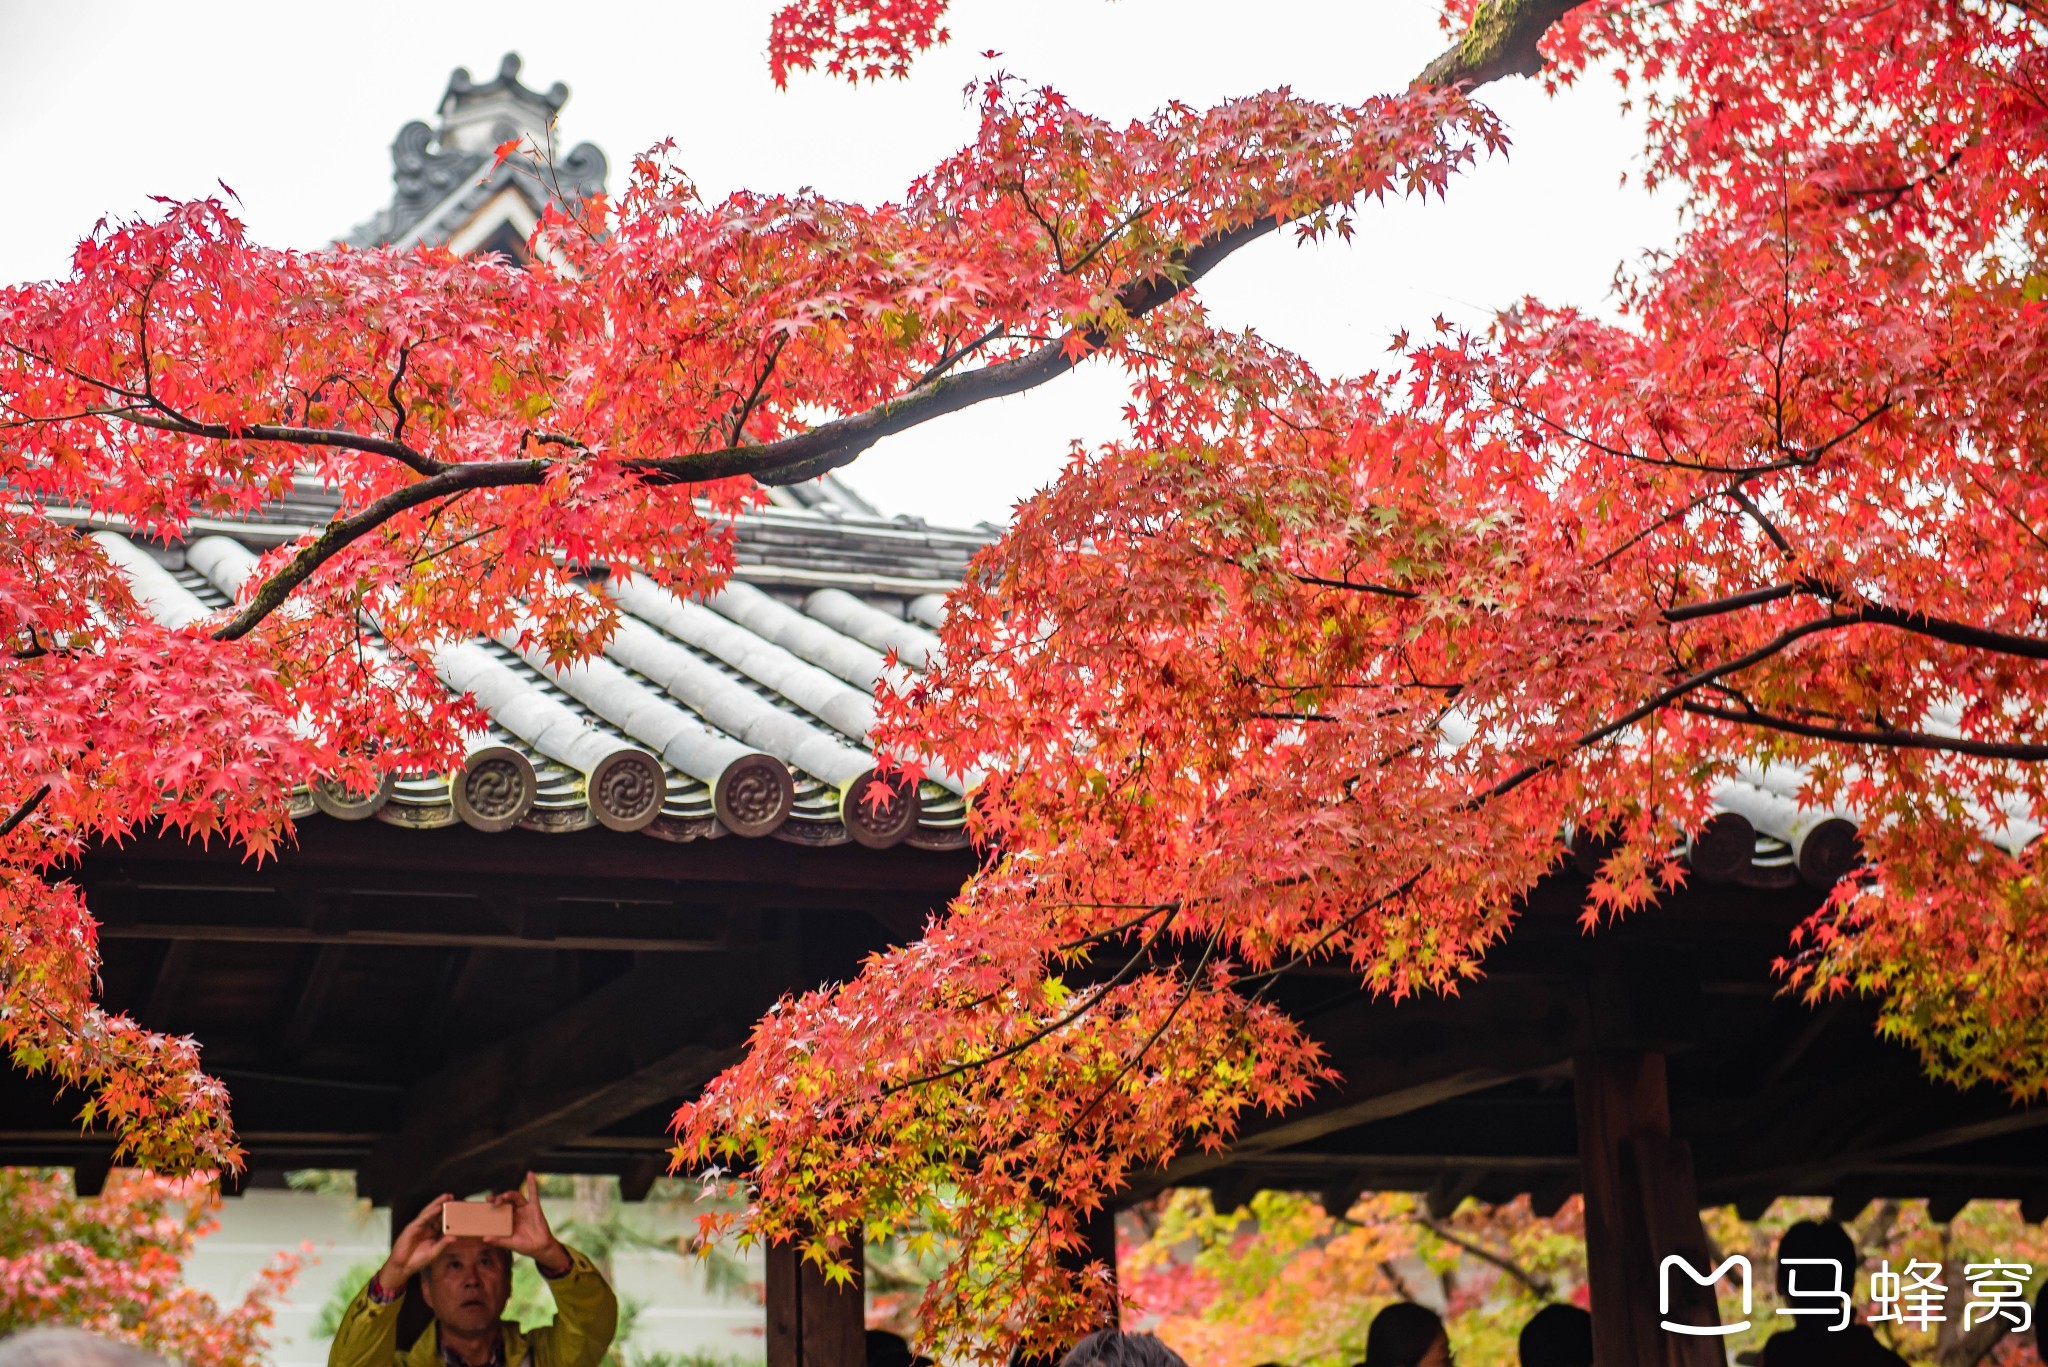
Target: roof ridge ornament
x=464, y=88
x=444, y=177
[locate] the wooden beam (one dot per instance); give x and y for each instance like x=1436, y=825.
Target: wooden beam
x=645, y=1039
x=357, y=849
x=1947, y=1205
x=186, y=934
x=1417, y=1168
x=321, y=909
x=1994, y=1118
x=1753, y=1205
x=1233, y=1189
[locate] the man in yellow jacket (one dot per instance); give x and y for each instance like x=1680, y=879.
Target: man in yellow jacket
x=466, y=1283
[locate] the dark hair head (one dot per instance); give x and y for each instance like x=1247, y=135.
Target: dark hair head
x=55, y=1347
x=888, y=1350
x=1401, y=1334
x=1115, y=1348
x=1817, y=1239
x=1557, y=1336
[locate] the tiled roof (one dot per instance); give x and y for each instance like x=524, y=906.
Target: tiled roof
x=747, y=713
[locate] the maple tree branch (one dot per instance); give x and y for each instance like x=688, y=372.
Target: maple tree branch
x=831, y=445
x=1102, y=243
x=1734, y=602
x=1757, y=515
x=1890, y=195
x=1943, y=629
x=337, y=535
x=1537, y=1283
x=1501, y=41
x=1272, y=975
x=1059, y=1023
x=39, y=358
x=1380, y=590
x=25, y=810
x=332, y=437
x=1999, y=502
x=1052, y=233
x=1172, y=1014
x=391, y=392
x=1887, y=738
x=1111, y=932
x=947, y=360
x=739, y=423
x=1940, y=628
x=1692, y=683
x=1675, y=515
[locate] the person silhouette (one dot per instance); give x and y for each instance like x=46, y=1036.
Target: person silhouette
x=1556, y=1336
x=1405, y=1334
x=887, y=1349
x=1814, y=1340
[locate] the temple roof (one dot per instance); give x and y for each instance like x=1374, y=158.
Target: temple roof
x=744, y=713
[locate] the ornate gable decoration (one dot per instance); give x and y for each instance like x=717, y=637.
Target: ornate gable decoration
x=445, y=190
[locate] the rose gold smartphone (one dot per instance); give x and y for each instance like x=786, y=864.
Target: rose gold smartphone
x=476, y=1219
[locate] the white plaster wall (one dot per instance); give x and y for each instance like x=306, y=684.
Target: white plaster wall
x=679, y=1316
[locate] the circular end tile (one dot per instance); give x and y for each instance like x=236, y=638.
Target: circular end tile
x=754, y=795
x=493, y=789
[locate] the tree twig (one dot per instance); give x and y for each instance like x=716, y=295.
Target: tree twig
x=25, y=810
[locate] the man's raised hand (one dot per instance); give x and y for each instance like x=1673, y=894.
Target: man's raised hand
x=530, y=1232
x=416, y=1245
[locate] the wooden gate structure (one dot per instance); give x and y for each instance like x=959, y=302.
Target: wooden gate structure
x=530, y=963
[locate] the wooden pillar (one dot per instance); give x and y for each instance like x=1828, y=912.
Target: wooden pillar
x=811, y=1322
x=1100, y=1231
x=1642, y=1205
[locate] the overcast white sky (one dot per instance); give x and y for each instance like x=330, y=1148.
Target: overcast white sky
x=104, y=103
